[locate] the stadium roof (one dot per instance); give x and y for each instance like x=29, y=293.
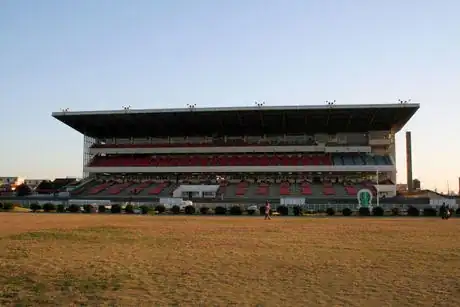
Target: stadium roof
x=239, y=120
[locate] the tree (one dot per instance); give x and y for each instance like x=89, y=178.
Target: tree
x=48, y=207
x=282, y=210
x=7, y=206
x=160, y=209
x=145, y=209
x=330, y=211
x=189, y=209
x=204, y=210
x=129, y=209
x=115, y=208
x=88, y=208
x=74, y=208
x=347, y=212
x=236, y=210
x=23, y=190
x=35, y=207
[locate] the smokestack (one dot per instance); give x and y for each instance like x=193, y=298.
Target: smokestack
x=409, y=161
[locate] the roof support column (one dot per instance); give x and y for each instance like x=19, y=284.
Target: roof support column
x=349, y=121
x=284, y=124
x=371, y=122
x=240, y=120
x=262, y=123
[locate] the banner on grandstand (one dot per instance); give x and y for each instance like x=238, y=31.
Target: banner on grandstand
x=292, y=201
x=364, y=197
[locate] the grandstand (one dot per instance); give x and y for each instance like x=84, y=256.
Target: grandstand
x=293, y=153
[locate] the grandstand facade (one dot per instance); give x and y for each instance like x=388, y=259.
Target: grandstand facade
x=294, y=154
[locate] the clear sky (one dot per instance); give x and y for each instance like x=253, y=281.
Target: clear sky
x=103, y=54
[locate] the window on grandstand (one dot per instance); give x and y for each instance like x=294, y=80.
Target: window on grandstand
x=193, y=194
x=209, y=194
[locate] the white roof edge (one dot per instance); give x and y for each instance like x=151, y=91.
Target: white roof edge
x=252, y=108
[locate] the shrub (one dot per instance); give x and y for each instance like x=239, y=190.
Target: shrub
x=251, y=211
x=297, y=211
x=48, y=207
x=175, y=209
x=7, y=206
x=74, y=208
x=378, y=211
x=35, y=207
x=412, y=211
x=364, y=211
x=145, y=209
x=60, y=208
x=115, y=208
x=129, y=209
x=457, y=212
x=88, y=208
x=189, y=209
x=101, y=209
x=204, y=210
x=395, y=211
x=236, y=210
x=160, y=208
x=220, y=210
x=430, y=212
x=347, y=212
x=330, y=211
x=282, y=210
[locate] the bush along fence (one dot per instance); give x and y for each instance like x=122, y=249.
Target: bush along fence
x=234, y=210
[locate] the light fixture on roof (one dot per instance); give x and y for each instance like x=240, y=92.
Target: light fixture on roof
x=259, y=104
x=191, y=106
x=404, y=101
x=330, y=103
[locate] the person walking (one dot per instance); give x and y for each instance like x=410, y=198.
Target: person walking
x=267, y=211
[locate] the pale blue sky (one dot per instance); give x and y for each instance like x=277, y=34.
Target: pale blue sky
x=103, y=54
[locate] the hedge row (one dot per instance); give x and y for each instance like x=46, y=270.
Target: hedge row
x=234, y=210
x=49, y=207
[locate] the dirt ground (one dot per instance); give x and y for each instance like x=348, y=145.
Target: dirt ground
x=108, y=260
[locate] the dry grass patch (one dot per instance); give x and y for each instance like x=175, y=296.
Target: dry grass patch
x=101, y=260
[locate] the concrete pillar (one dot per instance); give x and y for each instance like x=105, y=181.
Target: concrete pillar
x=409, y=161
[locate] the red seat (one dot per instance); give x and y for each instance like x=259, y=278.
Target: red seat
x=241, y=191
x=262, y=189
x=99, y=188
x=351, y=190
x=306, y=189
x=328, y=190
x=158, y=189
x=285, y=188
x=205, y=160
